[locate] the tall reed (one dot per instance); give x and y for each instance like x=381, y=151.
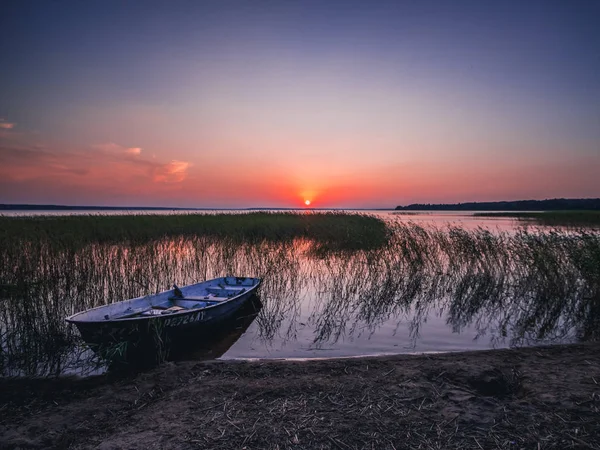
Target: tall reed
x=530, y=285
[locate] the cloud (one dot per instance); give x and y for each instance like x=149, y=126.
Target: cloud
x=116, y=149
x=29, y=162
x=61, y=168
x=173, y=172
x=109, y=170
x=109, y=147
x=4, y=125
x=23, y=154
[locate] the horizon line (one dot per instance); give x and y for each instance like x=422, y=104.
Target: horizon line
x=16, y=206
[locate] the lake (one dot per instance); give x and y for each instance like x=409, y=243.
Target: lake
x=444, y=282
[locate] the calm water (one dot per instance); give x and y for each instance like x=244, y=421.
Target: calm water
x=479, y=284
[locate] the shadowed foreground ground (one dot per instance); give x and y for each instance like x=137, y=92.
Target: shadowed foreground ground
x=528, y=398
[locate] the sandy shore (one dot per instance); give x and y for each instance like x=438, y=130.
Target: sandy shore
x=546, y=398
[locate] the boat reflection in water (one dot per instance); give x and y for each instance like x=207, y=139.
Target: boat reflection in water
x=214, y=341
x=207, y=342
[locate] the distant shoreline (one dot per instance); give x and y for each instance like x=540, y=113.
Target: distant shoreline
x=556, y=204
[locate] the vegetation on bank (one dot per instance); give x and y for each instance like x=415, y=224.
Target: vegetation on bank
x=333, y=229
x=523, y=286
x=552, y=218
x=556, y=204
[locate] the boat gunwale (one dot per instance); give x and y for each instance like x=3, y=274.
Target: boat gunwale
x=72, y=318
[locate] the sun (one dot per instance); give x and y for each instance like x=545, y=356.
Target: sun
x=307, y=202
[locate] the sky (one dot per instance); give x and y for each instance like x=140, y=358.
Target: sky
x=347, y=104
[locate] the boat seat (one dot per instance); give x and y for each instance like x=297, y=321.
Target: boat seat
x=198, y=298
x=228, y=292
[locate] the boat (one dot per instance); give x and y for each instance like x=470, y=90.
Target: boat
x=213, y=341
x=165, y=319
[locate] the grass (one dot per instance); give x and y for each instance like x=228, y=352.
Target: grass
x=552, y=218
x=528, y=285
x=340, y=230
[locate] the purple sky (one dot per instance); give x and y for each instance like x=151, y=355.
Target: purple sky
x=271, y=103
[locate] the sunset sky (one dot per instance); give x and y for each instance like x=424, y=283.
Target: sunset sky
x=271, y=103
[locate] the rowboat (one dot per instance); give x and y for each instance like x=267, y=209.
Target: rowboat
x=170, y=317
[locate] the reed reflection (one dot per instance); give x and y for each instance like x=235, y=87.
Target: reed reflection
x=521, y=287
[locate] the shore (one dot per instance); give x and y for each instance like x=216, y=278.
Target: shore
x=576, y=218
x=525, y=398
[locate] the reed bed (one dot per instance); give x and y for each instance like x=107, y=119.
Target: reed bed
x=336, y=229
x=552, y=218
x=530, y=286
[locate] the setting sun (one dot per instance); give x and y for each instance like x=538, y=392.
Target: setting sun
x=307, y=202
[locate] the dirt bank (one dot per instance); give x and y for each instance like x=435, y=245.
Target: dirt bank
x=528, y=398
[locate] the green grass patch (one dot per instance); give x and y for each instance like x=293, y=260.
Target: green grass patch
x=552, y=218
x=337, y=230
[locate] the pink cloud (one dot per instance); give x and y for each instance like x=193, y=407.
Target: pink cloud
x=4, y=125
x=112, y=148
x=31, y=170
x=101, y=165
x=173, y=172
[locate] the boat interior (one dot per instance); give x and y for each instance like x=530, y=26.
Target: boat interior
x=193, y=297
x=180, y=302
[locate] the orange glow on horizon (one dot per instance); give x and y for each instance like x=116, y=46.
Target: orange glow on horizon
x=114, y=174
